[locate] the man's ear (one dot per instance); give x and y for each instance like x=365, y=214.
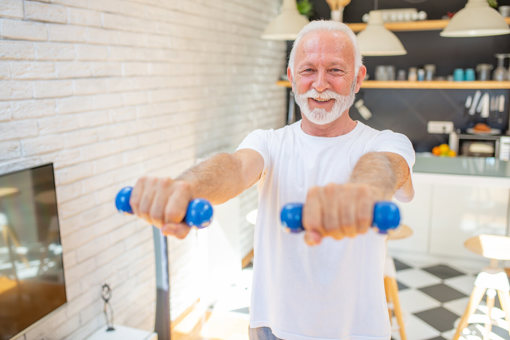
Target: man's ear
x=362, y=72
x=289, y=75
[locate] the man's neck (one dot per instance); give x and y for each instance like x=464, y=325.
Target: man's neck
x=343, y=125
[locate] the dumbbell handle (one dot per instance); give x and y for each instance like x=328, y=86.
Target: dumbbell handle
x=199, y=213
x=386, y=216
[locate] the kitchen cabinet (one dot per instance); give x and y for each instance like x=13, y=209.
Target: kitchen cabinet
x=443, y=216
x=416, y=214
x=459, y=211
x=454, y=200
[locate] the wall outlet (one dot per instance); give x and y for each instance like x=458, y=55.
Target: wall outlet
x=434, y=126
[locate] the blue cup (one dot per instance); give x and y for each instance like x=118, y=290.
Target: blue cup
x=469, y=75
x=458, y=74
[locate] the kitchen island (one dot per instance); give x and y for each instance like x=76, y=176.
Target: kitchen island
x=455, y=198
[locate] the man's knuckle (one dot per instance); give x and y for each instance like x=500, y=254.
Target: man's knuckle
x=313, y=192
x=181, y=186
x=172, y=215
x=331, y=187
x=311, y=223
x=165, y=182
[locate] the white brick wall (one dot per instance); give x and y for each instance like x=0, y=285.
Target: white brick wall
x=112, y=90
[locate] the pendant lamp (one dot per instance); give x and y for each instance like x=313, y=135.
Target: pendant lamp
x=477, y=19
x=377, y=40
x=287, y=25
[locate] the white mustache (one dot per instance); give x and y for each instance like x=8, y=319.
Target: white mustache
x=321, y=96
x=321, y=116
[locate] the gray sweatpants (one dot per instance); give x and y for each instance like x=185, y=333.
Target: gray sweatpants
x=262, y=333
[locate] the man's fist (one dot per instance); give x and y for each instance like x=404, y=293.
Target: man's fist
x=338, y=211
x=163, y=203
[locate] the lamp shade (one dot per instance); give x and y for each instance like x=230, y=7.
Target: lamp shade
x=477, y=19
x=377, y=40
x=287, y=25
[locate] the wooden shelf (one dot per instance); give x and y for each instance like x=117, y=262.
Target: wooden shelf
x=423, y=25
x=466, y=85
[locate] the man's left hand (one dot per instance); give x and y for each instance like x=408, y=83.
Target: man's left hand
x=338, y=211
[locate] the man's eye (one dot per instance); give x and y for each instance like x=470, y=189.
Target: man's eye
x=335, y=70
x=308, y=70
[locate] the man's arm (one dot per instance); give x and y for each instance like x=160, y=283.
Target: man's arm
x=224, y=176
x=386, y=171
x=163, y=201
x=345, y=210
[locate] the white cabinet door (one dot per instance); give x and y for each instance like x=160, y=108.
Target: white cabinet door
x=415, y=214
x=462, y=211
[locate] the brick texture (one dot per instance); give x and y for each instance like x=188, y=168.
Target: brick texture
x=112, y=90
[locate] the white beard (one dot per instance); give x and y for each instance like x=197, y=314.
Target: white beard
x=321, y=116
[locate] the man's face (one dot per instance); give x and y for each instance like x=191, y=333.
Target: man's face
x=324, y=77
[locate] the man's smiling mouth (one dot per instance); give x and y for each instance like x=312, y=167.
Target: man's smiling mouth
x=322, y=101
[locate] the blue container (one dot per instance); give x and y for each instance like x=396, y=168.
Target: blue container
x=458, y=74
x=469, y=75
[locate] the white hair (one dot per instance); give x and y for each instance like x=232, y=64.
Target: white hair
x=326, y=25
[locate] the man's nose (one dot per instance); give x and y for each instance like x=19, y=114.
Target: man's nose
x=320, y=84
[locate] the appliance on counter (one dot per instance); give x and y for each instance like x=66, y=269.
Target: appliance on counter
x=480, y=145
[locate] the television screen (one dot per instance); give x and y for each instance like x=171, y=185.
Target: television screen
x=31, y=271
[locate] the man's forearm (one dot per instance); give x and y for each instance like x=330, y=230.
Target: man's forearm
x=217, y=179
x=385, y=171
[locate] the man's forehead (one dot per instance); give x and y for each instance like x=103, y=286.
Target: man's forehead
x=325, y=41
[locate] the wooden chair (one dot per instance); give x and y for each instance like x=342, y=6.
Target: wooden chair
x=490, y=280
x=390, y=282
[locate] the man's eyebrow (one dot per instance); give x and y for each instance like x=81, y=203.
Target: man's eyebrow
x=338, y=63
x=305, y=65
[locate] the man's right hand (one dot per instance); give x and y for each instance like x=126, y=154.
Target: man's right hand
x=163, y=203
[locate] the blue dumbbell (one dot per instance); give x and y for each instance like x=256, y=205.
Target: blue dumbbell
x=386, y=216
x=199, y=213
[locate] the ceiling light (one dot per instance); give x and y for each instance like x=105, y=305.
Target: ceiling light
x=287, y=25
x=477, y=19
x=377, y=40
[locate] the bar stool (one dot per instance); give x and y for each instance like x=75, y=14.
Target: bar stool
x=390, y=282
x=490, y=280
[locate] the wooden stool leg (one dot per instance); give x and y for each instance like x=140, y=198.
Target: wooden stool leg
x=474, y=300
x=504, y=299
x=491, y=294
x=388, y=297
x=396, y=307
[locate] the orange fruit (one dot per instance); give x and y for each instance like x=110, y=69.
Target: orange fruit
x=443, y=149
x=436, y=151
x=452, y=153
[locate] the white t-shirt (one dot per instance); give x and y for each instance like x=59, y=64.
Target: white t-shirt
x=334, y=290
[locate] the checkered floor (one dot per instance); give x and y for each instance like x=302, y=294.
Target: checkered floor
x=433, y=297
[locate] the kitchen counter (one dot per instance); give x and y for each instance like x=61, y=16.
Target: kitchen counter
x=463, y=170
x=467, y=166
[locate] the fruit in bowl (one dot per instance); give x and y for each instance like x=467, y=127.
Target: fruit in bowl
x=443, y=150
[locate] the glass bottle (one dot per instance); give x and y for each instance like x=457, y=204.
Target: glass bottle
x=500, y=73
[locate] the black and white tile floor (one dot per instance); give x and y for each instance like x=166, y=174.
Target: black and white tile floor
x=433, y=297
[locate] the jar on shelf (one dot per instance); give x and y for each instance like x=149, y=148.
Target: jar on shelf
x=413, y=74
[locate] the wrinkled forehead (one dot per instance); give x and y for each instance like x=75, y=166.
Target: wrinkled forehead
x=330, y=44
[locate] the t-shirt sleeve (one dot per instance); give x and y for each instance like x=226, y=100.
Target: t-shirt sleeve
x=258, y=140
x=389, y=141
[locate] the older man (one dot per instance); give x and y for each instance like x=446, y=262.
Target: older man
x=329, y=285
